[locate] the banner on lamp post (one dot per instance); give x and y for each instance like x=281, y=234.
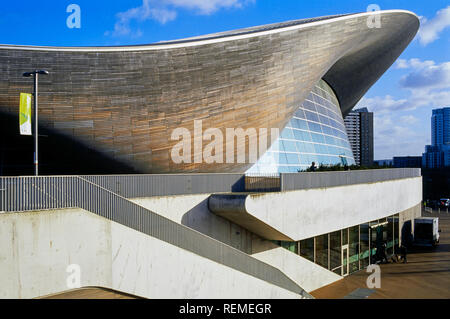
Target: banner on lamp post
x=25, y=114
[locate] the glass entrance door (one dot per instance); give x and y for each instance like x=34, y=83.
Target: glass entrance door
x=345, y=261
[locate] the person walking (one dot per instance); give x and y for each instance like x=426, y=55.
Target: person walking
x=403, y=252
x=383, y=255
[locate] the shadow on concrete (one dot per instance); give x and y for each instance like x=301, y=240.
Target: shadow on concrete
x=58, y=154
x=201, y=219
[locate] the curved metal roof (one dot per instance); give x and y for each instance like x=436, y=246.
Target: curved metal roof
x=248, y=78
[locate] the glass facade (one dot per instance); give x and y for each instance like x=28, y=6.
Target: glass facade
x=335, y=252
x=365, y=245
x=321, y=247
x=307, y=249
x=316, y=133
x=353, y=236
x=356, y=246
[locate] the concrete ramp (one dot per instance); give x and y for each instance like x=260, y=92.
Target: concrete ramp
x=119, y=245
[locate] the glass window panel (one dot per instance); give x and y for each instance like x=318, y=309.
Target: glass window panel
x=309, y=106
x=321, y=149
x=364, y=241
x=302, y=124
x=321, y=110
x=322, y=250
x=327, y=130
x=298, y=135
x=328, y=139
x=287, y=133
x=289, y=146
x=325, y=160
x=333, y=150
x=318, y=138
x=390, y=236
x=299, y=113
x=312, y=116
x=396, y=234
x=344, y=237
x=283, y=169
x=318, y=99
x=304, y=159
x=309, y=148
x=291, y=246
x=293, y=123
x=275, y=146
x=335, y=252
x=353, y=233
x=282, y=158
x=292, y=158
x=294, y=169
x=315, y=127
x=307, y=249
x=306, y=136
x=324, y=120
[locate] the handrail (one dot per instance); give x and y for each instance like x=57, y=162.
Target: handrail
x=298, y=181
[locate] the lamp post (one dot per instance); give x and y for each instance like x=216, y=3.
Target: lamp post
x=36, y=149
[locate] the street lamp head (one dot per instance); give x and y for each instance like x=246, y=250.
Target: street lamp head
x=28, y=74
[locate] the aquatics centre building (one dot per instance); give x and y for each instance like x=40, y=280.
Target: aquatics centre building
x=114, y=109
x=199, y=229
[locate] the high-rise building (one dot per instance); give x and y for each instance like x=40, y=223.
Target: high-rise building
x=407, y=161
x=359, y=126
x=438, y=153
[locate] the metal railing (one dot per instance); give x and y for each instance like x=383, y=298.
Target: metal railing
x=262, y=183
x=297, y=181
x=131, y=186
x=38, y=193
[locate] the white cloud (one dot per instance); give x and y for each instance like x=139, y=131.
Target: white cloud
x=430, y=29
x=165, y=11
x=398, y=136
x=408, y=119
x=206, y=6
x=401, y=64
x=427, y=84
x=427, y=76
x=383, y=104
x=413, y=63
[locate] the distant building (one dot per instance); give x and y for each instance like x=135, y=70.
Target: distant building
x=359, y=126
x=437, y=154
x=384, y=162
x=407, y=161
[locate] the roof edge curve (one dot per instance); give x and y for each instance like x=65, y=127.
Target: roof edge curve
x=214, y=37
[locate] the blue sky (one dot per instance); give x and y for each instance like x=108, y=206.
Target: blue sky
x=402, y=99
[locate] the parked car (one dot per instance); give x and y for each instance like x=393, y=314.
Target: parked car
x=444, y=203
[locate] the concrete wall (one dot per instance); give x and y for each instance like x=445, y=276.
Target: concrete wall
x=37, y=247
x=192, y=211
x=306, y=213
x=305, y=273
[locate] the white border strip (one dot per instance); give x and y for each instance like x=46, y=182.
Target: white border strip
x=150, y=47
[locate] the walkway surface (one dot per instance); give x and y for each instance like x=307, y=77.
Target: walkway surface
x=426, y=275
x=90, y=293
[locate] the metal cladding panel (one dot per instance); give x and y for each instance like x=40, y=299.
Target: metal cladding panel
x=125, y=102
